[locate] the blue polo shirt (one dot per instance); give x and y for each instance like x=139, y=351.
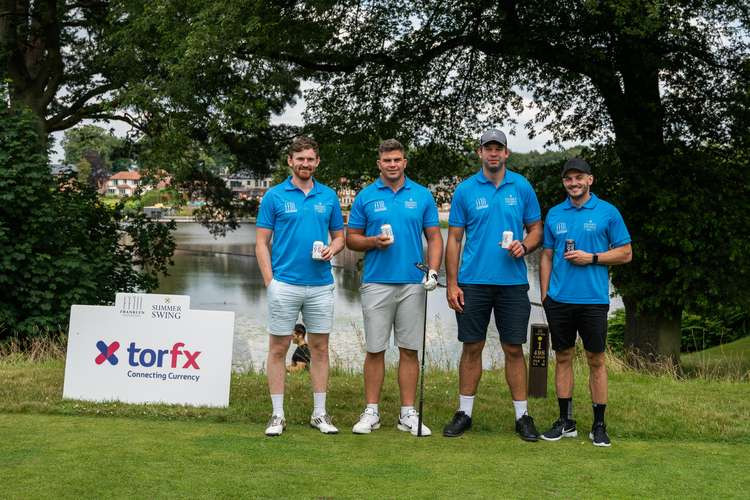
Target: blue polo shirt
x=296, y=221
x=409, y=210
x=596, y=227
x=485, y=211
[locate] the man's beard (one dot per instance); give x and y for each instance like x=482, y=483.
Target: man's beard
x=494, y=168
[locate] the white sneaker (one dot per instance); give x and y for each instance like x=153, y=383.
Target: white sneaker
x=410, y=422
x=368, y=422
x=323, y=424
x=276, y=426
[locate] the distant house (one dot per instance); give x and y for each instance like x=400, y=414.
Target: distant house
x=123, y=183
x=247, y=186
x=345, y=193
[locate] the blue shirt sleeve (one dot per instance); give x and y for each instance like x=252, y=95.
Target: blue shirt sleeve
x=618, y=232
x=457, y=216
x=357, y=218
x=337, y=220
x=266, y=213
x=430, y=215
x=531, y=210
x=549, y=238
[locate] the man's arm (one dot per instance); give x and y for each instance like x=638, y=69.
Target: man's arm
x=545, y=271
x=434, y=247
x=357, y=241
x=263, y=253
x=534, y=236
x=337, y=244
x=452, y=252
x=613, y=257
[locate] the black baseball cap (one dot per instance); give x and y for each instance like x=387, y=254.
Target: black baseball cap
x=493, y=135
x=576, y=164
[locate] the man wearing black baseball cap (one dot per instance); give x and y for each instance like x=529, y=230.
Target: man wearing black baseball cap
x=494, y=208
x=582, y=236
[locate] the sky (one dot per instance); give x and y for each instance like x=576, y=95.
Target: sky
x=520, y=142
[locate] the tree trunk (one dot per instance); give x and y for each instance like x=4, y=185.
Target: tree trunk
x=652, y=336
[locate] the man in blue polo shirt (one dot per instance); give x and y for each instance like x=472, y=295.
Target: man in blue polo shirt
x=393, y=288
x=493, y=208
x=575, y=291
x=297, y=213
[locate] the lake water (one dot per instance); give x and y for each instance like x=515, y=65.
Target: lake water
x=223, y=274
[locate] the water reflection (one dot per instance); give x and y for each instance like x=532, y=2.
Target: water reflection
x=223, y=274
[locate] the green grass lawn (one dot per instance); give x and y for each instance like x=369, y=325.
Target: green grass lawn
x=733, y=357
x=671, y=438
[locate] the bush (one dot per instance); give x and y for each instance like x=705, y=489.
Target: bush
x=725, y=324
x=61, y=245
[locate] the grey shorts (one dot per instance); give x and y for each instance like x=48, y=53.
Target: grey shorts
x=285, y=302
x=392, y=307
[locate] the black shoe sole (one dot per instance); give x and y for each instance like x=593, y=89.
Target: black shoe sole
x=453, y=434
x=531, y=439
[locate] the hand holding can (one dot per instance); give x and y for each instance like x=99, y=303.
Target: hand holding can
x=507, y=239
x=387, y=230
x=317, y=250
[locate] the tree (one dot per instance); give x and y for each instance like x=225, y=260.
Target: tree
x=61, y=246
x=659, y=83
x=87, y=140
x=185, y=75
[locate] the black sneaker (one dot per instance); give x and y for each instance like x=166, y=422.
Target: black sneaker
x=525, y=428
x=461, y=422
x=599, y=435
x=562, y=428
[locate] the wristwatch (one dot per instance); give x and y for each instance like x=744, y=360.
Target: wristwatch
x=595, y=259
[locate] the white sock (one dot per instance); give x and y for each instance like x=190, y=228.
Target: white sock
x=319, y=404
x=521, y=408
x=277, y=400
x=405, y=410
x=465, y=404
x=373, y=407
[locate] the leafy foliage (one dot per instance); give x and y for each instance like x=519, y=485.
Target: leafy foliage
x=61, y=246
x=698, y=332
x=660, y=87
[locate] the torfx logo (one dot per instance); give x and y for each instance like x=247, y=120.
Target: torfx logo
x=141, y=356
x=107, y=352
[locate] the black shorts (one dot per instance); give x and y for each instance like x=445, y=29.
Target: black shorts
x=588, y=320
x=510, y=304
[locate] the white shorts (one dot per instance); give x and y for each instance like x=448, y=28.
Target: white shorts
x=392, y=307
x=285, y=302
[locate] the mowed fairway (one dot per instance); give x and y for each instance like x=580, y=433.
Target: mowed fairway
x=670, y=439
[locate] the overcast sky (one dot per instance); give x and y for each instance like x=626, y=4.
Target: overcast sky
x=293, y=116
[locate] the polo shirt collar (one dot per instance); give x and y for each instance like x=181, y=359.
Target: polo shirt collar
x=590, y=204
x=507, y=178
x=382, y=185
x=289, y=186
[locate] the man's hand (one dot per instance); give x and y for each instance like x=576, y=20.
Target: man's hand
x=579, y=257
x=516, y=249
x=326, y=253
x=455, y=298
x=382, y=241
x=430, y=281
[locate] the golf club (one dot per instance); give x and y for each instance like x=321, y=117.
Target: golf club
x=426, y=271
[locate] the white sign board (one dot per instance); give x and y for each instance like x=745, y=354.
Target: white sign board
x=149, y=348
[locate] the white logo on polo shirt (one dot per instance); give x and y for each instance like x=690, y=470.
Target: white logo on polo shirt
x=511, y=200
x=561, y=228
x=481, y=203
x=410, y=203
x=289, y=207
x=320, y=208
x=379, y=206
x=589, y=226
